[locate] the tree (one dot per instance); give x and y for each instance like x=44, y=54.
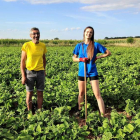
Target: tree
x=130, y=40
x=56, y=38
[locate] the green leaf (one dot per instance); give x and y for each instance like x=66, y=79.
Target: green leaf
x=120, y=134
x=68, y=107
x=38, y=129
x=105, y=123
x=128, y=128
x=9, y=136
x=85, y=127
x=27, y=137
x=107, y=136
x=101, y=129
x=136, y=135
x=31, y=127
x=86, y=133
x=43, y=137
x=137, y=122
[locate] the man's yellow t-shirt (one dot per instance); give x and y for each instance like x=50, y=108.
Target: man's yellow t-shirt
x=34, y=55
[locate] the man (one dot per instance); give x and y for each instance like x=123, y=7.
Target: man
x=33, y=64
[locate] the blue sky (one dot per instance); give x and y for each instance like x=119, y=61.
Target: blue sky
x=66, y=19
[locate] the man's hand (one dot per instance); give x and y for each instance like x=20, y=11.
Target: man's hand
x=23, y=80
x=45, y=72
x=84, y=59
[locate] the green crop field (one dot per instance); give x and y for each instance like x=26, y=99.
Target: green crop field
x=119, y=77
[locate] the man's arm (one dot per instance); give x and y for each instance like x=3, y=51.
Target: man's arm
x=44, y=62
x=23, y=66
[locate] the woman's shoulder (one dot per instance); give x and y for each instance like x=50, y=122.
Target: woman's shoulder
x=79, y=44
x=96, y=43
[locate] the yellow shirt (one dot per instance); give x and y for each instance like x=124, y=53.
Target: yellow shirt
x=34, y=55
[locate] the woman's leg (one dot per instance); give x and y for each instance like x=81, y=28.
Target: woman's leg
x=96, y=91
x=81, y=86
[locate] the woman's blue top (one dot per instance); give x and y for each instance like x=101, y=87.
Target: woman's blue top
x=81, y=51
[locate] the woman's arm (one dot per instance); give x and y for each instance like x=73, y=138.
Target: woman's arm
x=75, y=58
x=107, y=53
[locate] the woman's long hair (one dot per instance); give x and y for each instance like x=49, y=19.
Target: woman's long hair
x=90, y=48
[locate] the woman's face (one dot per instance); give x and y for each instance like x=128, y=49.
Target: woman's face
x=88, y=33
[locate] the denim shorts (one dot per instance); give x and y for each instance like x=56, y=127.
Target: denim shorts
x=35, y=78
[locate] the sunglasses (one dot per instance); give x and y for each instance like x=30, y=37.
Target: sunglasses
x=36, y=33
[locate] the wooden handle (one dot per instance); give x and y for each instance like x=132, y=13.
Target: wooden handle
x=85, y=93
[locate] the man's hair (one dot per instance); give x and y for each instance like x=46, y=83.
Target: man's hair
x=34, y=28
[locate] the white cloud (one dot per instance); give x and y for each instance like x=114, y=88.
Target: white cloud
x=10, y=0
x=54, y=30
x=7, y=30
x=50, y=1
x=136, y=13
x=28, y=22
x=78, y=28
x=92, y=5
x=102, y=14
x=91, y=19
x=111, y=5
x=71, y=29
x=13, y=30
x=66, y=29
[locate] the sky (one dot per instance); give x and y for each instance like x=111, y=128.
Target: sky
x=67, y=19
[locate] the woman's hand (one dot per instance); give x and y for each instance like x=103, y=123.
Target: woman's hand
x=84, y=59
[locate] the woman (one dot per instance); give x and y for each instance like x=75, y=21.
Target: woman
x=86, y=52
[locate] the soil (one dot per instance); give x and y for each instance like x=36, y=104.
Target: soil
x=82, y=121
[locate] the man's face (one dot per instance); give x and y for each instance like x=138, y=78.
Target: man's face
x=35, y=35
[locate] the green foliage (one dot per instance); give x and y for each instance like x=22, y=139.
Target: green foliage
x=130, y=107
x=56, y=38
x=130, y=40
x=103, y=42
x=46, y=41
x=71, y=42
x=119, y=85
x=55, y=42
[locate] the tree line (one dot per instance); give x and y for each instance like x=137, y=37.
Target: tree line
x=121, y=37
x=57, y=42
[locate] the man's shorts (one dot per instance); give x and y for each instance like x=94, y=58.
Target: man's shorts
x=90, y=78
x=35, y=78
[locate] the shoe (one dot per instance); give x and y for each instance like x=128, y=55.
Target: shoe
x=77, y=113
